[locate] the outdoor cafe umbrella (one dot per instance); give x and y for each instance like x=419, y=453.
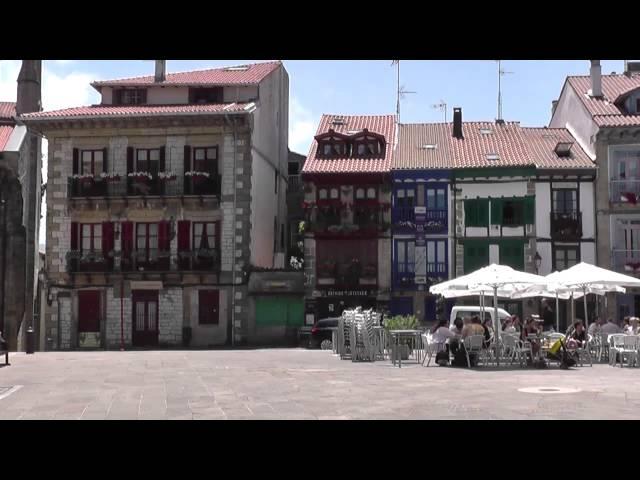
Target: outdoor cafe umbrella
x=493, y=277
x=591, y=279
x=558, y=291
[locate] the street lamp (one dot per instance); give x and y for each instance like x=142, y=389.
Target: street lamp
x=538, y=261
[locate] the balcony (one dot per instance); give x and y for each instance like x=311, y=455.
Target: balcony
x=88, y=262
x=624, y=192
x=124, y=186
x=403, y=216
x=626, y=261
x=200, y=260
x=294, y=184
x=566, y=226
x=152, y=260
x=435, y=221
x=347, y=275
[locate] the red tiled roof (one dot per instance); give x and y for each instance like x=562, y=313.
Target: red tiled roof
x=5, y=133
x=516, y=146
x=111, y=111
x=603, y=109
x=384, y=125
x=7, y=110
x=253, y=75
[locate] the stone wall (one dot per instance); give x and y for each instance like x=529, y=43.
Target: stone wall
x=170, y=317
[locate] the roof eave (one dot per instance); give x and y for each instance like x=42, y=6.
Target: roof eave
x=244, y=111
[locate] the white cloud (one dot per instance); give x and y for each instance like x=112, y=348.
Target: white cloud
x=63, y=62
x=302, y=127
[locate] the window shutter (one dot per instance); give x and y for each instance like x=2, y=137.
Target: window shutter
x=107, y=237
x=116, y=96
x=496, y=211
x=129, y=159
x=143, y=95
x=483, y=212
x=529, y=210
x=74, y=235
x=76, y=161
x=162, y=158
x=127, y=237
x=184, y=227
x=163, y=235
x=187, y=167
x=104, y=160
x=470, y=213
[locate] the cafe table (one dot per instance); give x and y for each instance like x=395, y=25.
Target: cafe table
x=396, y=336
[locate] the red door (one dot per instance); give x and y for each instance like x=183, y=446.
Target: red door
x=145, y=318
x=89, y=311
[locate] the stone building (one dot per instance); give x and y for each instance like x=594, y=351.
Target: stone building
x=160, y=199
x=20, y=187
x=347, y=204
x=603, y=114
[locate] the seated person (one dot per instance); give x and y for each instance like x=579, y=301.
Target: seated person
x=473, y=328
x=633, y=328
x=610, y=327
x=532, y=328
x=488, y=331
x=508, y=326
x=440, y=333
x=457, y=326
x=595, y=327
x=579, y=336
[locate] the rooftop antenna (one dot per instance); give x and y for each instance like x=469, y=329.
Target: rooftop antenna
x=501, y=72
x=442, y=106
x=401, y=92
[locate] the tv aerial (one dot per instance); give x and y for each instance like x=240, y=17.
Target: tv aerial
x=442, y=106
x=401, y=92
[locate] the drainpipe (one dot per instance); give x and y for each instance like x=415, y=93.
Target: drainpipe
x=233, y=256
x=4, y=259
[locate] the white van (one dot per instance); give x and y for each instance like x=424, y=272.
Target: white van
x=471, y=310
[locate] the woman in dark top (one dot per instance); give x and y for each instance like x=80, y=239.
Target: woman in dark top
x=579, y=334
x=488, y=332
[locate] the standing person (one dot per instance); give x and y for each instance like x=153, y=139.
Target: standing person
x=547, y=316
x=610, y=327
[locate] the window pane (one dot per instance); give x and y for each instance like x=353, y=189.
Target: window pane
x=411, y=193
x=371, y=193
x=97, y=163
x=322, y=194
x=97, y=243
x=140, y=316
x=141, y=243
x=431, y=252
x=154, y=155
x=142, y=154
x=97, y=156
x=153, y=229
x=86, y=156
x=441, y=256
x=152, y=315
x=199, y=154
x=197, y=230
x=361, y=149
x=401, y=252
x=431, y=199
x=334, y=193
x=400, y=194
x=411, y=249
x=572, y=254
x=212, y=153
x=360, y=193
x=211, y=229
x=326, y=149
x=440, y=199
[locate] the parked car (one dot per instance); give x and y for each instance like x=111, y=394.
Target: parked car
x=470, y=310
x=321, y=333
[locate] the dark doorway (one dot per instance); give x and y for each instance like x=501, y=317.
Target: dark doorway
x=145, y=318
x=89, y=311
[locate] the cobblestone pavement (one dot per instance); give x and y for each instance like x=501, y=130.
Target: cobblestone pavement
x=298, y=384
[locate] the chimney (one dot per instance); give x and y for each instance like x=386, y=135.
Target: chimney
x=554, y=105
x=457, y=122
x=161, y=71
x=596, y=79
x=29, y=97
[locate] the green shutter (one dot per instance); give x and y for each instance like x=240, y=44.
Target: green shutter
x=470, y=213
x=530, y=210
x=512, y=254
x=476, y=255
x=270, y=312
x=483, y=212
x=496, y=211
x=295, y=312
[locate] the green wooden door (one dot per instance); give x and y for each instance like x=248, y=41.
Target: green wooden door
x=512, y=254
x=476, y=255
x=279, y=311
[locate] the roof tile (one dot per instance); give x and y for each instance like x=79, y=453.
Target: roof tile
x=5, y=133
x=7, y=110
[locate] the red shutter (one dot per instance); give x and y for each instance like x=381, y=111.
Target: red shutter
x=127, y=237
x=187, y=158
x=184, y=227
x=107, y=237
x=129, y=159
x=104, y=160
x=163, y=236
x=76, y=161
x=74, y=235
x=162, y=159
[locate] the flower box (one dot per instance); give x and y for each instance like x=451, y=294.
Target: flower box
x=167, y=176
x=110, y=177
x=140, y=176
x=197, y=176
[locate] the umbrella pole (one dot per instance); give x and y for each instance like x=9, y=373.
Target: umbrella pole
x=557, y=313
x=496, y=325
x=586, y=315
x=573, y=310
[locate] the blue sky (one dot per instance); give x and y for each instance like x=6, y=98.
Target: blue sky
x=349, y=87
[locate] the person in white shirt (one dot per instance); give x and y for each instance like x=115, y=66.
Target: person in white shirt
x=610, y=327
x=457, y=326
x=633, y=328
x=595, y=327
x=440, y=333
x=508, y=326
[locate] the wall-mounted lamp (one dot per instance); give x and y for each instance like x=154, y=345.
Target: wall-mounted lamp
x=538, y=261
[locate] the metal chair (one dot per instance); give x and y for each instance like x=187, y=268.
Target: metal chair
x=513, y=348
x=431, y=348
x=474, y=344
x=616, y=349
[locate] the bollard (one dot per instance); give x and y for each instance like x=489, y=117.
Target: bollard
x=30, y=340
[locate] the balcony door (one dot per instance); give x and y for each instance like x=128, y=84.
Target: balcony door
x=145, y=318
x=565, y=201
